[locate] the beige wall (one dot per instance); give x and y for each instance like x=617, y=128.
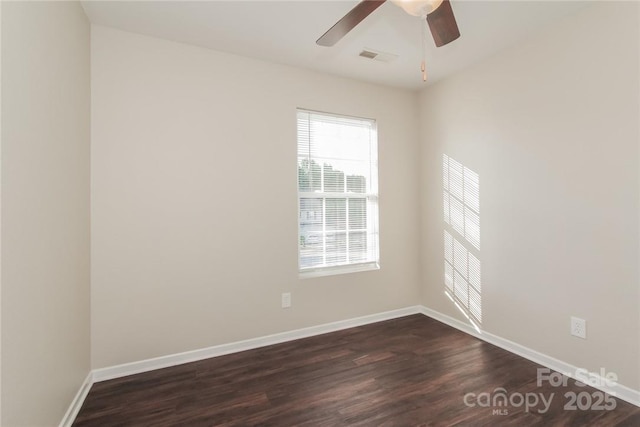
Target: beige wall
x=0, y=213
x=45, y=209
x=552, y=129
x=194, y=208
x=186, y=243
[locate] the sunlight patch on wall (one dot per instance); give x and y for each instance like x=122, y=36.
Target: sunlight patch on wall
x=462, y=267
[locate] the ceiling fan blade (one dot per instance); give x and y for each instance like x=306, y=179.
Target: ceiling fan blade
x=442, y=24
x=349, y=22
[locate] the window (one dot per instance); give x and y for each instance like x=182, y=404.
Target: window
x=337, y=194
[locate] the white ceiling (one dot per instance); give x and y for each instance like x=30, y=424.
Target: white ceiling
x=285, y=32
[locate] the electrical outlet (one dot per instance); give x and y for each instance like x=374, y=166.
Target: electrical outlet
x=579, y=327
x=286, y=300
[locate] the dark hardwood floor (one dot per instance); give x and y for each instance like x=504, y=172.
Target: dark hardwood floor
x=412, y=371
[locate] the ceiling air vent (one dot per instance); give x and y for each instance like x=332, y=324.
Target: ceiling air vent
x=377, y=55
x=368, y=54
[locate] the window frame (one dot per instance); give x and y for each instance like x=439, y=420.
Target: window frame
x=371, y=199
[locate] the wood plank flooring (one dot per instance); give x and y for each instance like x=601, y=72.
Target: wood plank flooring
x=412, y=371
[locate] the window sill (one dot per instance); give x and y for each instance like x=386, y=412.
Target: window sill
x=341, y=269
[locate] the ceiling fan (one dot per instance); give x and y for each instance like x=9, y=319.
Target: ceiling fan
x=438, y=13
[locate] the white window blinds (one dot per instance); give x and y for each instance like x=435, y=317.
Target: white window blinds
x=337, y=193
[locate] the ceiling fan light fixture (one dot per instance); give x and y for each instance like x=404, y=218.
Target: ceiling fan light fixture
x=418, y=7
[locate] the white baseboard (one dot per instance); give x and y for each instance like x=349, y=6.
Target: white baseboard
x=76, y=403
x=620, y=391
x=625, y=393
x=118, y=371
